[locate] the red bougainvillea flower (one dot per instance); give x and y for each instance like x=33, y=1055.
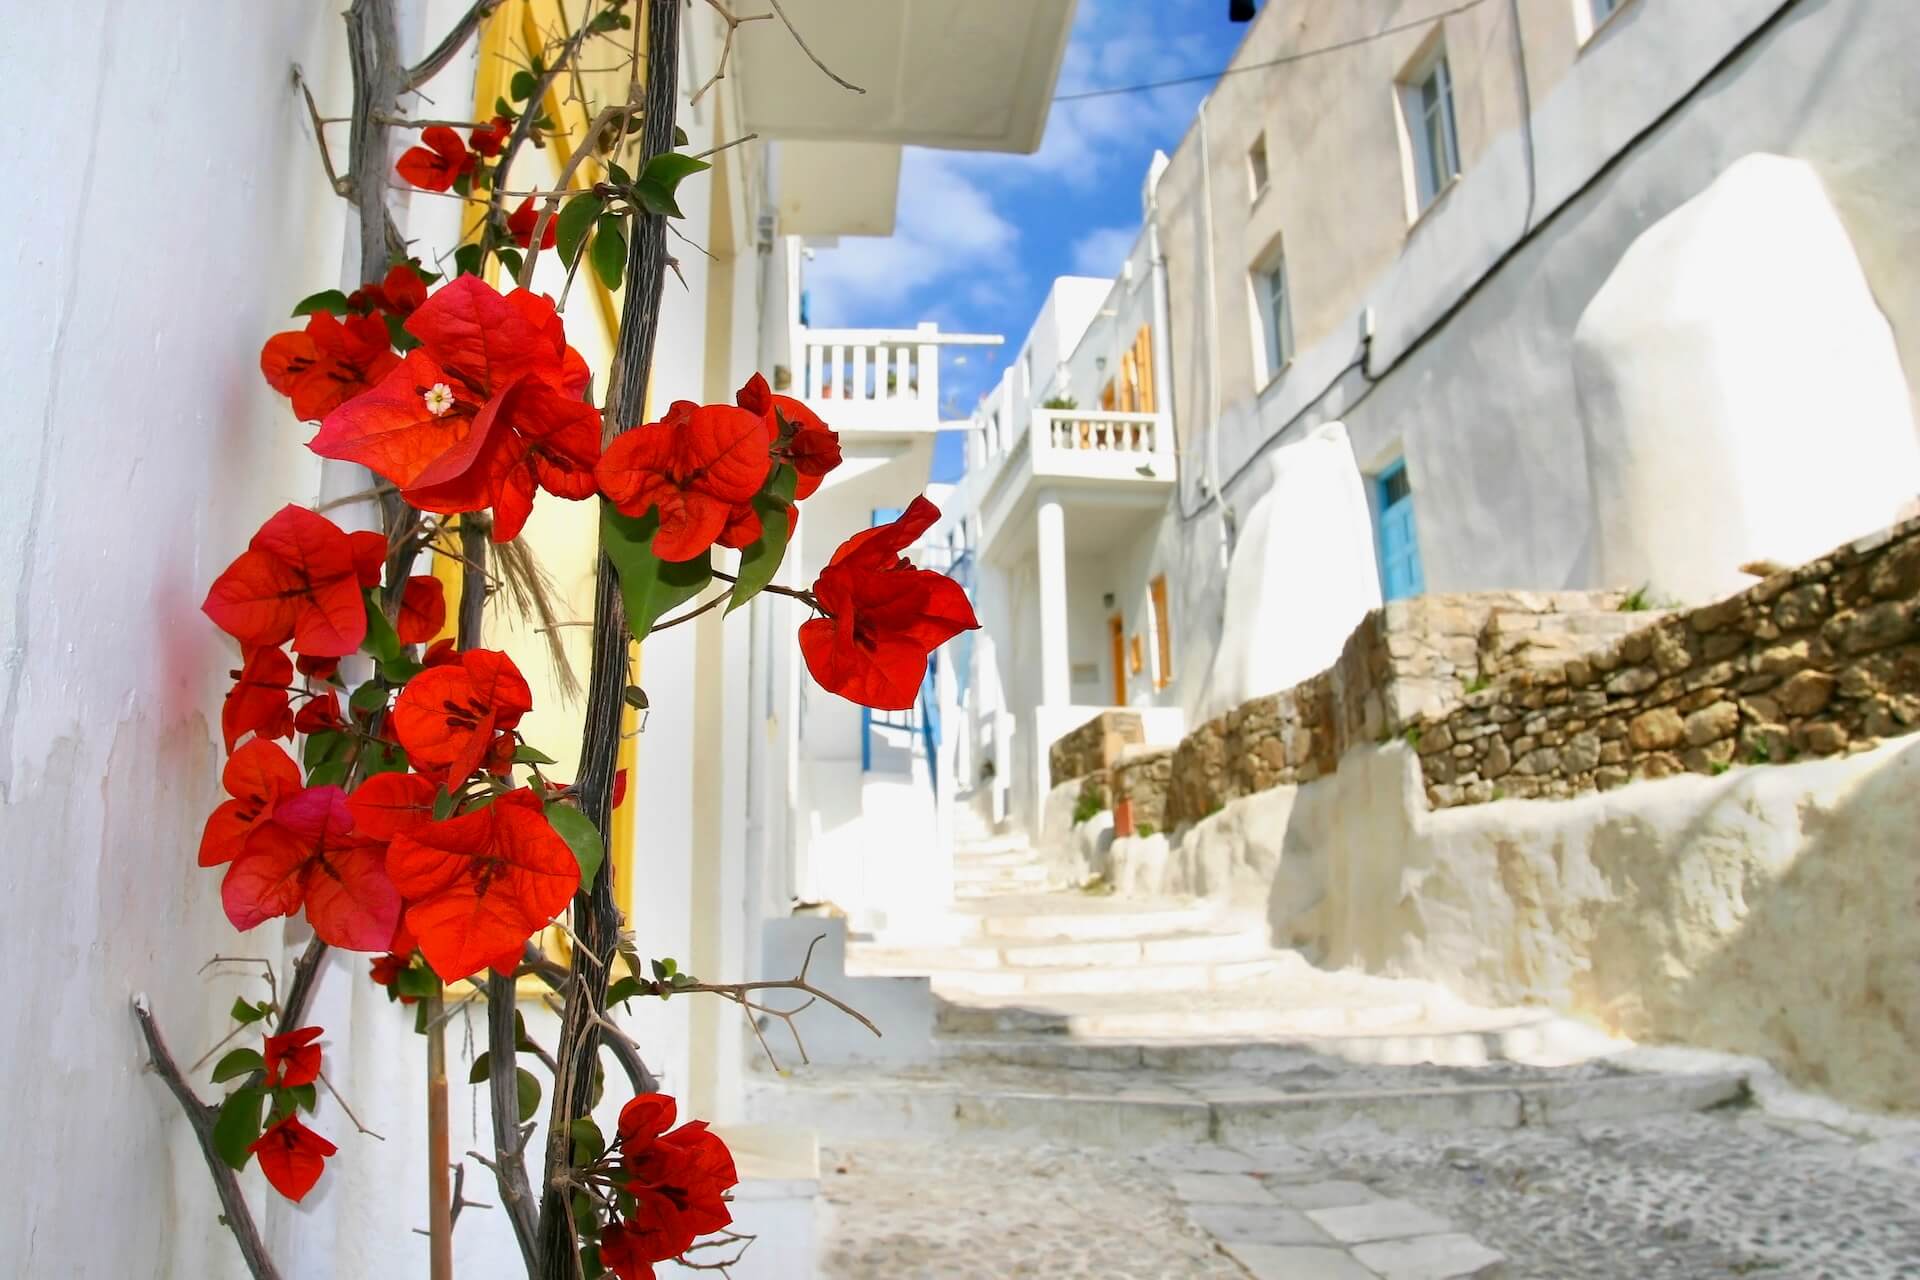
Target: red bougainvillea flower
x=298, y=579
x=293, y=1059
x=437, y=164
x=441, y=653
x=258, y=702
x=258, y=776
x=388, y=803
x=522, y=221
x=479, y=885
x=423, y=609
x=884, y=615
x=399, y=294
x=328, y=363
x=696, y=465
x=645, y=1117
x=292, y=1156
x=811, y=446
x=318, y=668
x=489, y=138
x=310, y=855
x=489, y=404
x=690, y=1167
x=321, y=714
x=386, y=970
x=446, y=717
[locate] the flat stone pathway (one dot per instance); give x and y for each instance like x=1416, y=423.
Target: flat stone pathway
x=1724, y=1194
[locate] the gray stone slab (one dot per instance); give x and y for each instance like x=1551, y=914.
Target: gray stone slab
x=1256, y=1224
x=1325, y=1195
x=1208, y=1159
x=1443, y=1257
x=1378, y=1220
x=1219, y=1188
x=1296, y=1262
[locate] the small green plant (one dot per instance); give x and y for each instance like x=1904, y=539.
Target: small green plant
x=1096, y=886
x=1146, y=829
x=1637, y=600
x=1719, y=767
x=1059, y=402
x=1412, y=736
x=1476, y=684
x=1499, y=793
x=1093, y=799
x=1760, y=752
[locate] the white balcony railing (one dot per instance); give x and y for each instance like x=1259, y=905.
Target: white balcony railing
x=875, y=379
x=1099, y=444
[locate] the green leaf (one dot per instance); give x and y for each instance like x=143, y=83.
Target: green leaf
x=760, y=561
x=609, y=252
x=398, y=671
x=680, y=138
x=369, y=697
x=467, y=260
x=323, y=747
x=655, y=198
x=660, y=971
x=670, y=168
x=510, y=261
x=529, y=1089
x=304, y=1096
x=442, y=804
x=501, y=107
x=329, y=300
x=397, y=334
x=463, y=185
x=619, y=177
x=524, y=754
x=416, y=982
x=588, y=1141
x=381, y=640
x=522, y=85
x=331, y=774
x=241, y=1062
x=237, y=1127
x=246, y=1012
x=570, y=228
x=622, y=990
x=381, y=757
x=482, y=1068
x=581, y=836
x=649, y=586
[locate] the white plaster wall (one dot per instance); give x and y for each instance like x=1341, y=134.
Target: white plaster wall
x=1740, y=390
x=1302, y=576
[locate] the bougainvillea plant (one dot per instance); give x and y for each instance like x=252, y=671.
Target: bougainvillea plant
x=378, y=784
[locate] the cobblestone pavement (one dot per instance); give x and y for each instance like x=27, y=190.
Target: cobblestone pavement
x=1724, y=1194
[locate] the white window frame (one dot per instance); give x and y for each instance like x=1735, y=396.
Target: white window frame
x=1273, y=324
x=1259, y=169
x=1429, y=127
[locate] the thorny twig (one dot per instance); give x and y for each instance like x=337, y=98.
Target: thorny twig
x=734, y=23
x=341, y=187
x=349, y=1110
x=450, y=44
x=811, y=55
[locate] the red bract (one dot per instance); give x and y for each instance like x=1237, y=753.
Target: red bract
x=624, y=1251
x=310, y=855
x=522, y=221
x=328, y=363
x=645, y=1117
x=258, y=776
x=490, y=137
x=446, y=717
x=479, y=885
x=693, y=1169
x=884, y=615
x=386, y=970
x=487, y=406
x=695, y=466
x=292, y=1156
x=399, y=294
x=320, y=714
x=298, y=579
x=318, y=668
x=812, y=446
x=292, y=1058
x=437, y=164
x=258, y=702
x=388, y=803
x=423, y=609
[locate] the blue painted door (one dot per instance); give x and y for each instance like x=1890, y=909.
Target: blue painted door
x=1400, y=573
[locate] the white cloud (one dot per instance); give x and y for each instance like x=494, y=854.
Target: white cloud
x=1101, y=251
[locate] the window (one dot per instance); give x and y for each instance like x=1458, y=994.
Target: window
x=1162, y=633
x=1270, y=297
x=1426, y=103
x=1257, y=165
x=1400, y=572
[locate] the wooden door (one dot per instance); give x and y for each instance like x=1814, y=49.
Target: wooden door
x=1117, y=632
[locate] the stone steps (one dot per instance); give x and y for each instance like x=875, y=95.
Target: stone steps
x=1072, y=980
x=1162, y=948
x=1134, y=1110
x=1079, y=917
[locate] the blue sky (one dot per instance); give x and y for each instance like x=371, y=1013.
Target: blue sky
x=980, y=237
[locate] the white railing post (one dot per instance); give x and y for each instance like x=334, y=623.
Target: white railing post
x=859, y=391
x=928, y=390
x=816, y=370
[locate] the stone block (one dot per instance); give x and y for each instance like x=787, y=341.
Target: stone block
x=1497, y=760
x=1607, y=777
x=1219, y=1188
x=1712, y=723
x=1806, y=693
x=1874, y=627
x=1823, y=739
x=1897, y=573
x=1439, y=1257
x=1325, y=1195
x=1378, y=1220
x=1802, y=607
x=1268, y=1223
x=1581, y=753
x=1297, y=1262
x=1656, y=729
x=1632, y=680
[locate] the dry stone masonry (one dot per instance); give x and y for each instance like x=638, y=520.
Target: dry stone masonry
x=1815, y=661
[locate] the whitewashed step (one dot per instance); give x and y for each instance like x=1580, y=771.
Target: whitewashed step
x=1025, y=878
x=1101, y=979
x=1018, y=856
x=1171, y=948
x=1040, y=917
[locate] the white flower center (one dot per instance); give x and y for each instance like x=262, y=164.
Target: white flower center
x=439, y=398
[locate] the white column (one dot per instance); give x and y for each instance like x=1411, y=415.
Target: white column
x=1051, y=537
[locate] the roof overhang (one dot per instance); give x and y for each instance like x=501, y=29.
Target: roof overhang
x=838, y=188
x=972, y=75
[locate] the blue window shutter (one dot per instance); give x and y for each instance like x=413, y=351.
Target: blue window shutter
x=1400, y=572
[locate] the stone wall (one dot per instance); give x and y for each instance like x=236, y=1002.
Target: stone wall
x=1094, y=745
x=1407, y=660
x=1142, y=775
x=1814, y=661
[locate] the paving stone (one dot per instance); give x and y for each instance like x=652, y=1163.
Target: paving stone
x=1297, y=1262
x=1441, y=1257
x=1256, y=1224
x=1378, y=1220
x=1219, y=1188
x=1325, y=1195
x=1209, y=1160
